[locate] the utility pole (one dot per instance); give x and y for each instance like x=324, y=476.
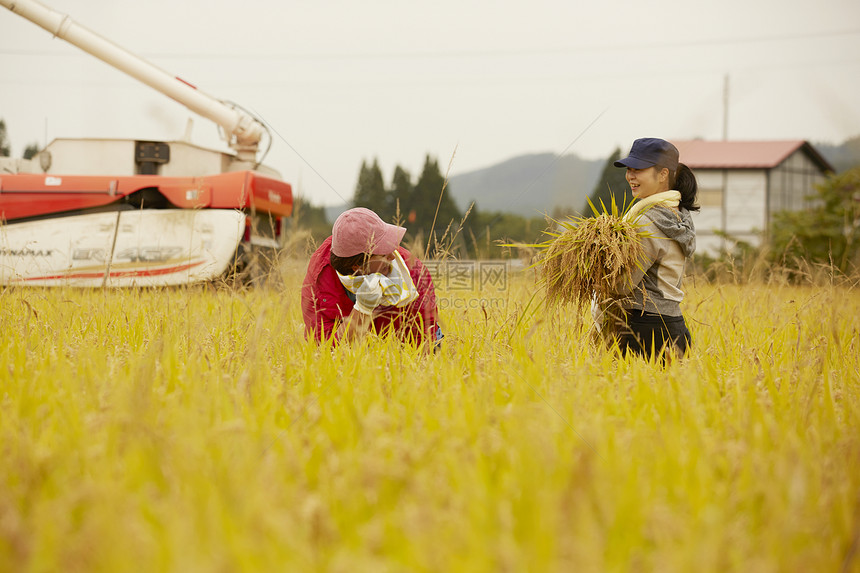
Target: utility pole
x=725, y=190
x=726, y=107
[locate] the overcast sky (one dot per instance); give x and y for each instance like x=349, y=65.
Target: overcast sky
x=344, y=81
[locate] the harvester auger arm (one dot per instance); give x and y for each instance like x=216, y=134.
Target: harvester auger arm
x=242, y=130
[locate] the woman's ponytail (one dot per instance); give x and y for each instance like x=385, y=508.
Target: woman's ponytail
x=685, y=182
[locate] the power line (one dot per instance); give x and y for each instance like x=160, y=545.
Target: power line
x=511, y=78
x=476, y=53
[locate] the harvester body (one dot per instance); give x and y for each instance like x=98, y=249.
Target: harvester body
x=119, y=212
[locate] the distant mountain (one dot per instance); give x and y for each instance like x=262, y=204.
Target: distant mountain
x=528, y=184
x=535, y=183
x=843, y=156
x=332, y=212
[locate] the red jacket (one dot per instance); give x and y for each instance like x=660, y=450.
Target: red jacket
x=325, y=301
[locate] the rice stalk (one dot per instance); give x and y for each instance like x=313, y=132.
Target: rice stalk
x=590, y=257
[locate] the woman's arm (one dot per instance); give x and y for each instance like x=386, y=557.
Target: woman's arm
x=652, y=247
x=426, y=301
x=368, y=296
x=353, y=327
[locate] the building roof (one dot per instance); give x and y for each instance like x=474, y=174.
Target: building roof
x=700, y=154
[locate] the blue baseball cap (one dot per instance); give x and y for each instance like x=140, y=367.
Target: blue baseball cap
x=650, y=151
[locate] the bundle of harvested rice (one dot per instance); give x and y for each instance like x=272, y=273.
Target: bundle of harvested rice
x=591, y=257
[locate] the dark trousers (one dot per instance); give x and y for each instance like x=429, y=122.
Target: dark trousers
x=648, y=334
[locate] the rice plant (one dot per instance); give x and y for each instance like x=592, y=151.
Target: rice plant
x=589, y=257
x=197, y=430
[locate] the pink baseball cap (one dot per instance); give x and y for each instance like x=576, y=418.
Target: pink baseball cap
x=361, y=230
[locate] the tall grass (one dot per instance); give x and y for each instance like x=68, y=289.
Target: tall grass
x=196, y=430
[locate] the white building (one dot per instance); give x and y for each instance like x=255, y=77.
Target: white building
x=743, y=183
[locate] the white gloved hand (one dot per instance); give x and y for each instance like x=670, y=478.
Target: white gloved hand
x=368, y=295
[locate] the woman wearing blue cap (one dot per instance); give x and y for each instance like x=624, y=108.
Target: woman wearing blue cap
x=665, y=189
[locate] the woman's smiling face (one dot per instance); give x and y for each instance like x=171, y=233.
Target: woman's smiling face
x=648, y=181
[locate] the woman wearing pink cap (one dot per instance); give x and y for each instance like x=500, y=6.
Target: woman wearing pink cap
x=360, y=279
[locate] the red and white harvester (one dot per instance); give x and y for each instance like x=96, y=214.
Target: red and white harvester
x=100, y=212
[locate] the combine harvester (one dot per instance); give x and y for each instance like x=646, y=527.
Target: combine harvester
x=125, y=213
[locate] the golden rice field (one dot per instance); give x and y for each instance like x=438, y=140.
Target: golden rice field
x=196, y=430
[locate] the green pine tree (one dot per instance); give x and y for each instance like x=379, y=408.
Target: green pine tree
x=5, y=147
x=401, y=195
x=612, y=183
x=429, y=192
x=31, y=150
x=370, y=191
